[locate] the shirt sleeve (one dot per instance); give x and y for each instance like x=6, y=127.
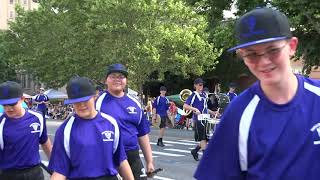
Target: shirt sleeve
x=144, y=126
x=120, y=154
x=37, y=99
x=154, y=103
x=59, y=161
x=47, y=98
x=221, y=157
x=188, y=101
x=44, y=135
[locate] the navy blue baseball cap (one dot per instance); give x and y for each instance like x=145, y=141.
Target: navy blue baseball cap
x=232, y=84
x=198, y=81
x=119, y=68
x=261, y=25
x=10, y=92
x=79, y=89
x=163, y=88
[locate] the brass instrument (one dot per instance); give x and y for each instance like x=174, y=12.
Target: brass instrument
x=183, y=95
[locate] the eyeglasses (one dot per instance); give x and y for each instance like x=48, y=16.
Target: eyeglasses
x=114, y=77
x=270, y=53
x=13, y=104
x=200, y=84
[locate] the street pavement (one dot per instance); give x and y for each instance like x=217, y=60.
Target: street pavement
x=175, y=158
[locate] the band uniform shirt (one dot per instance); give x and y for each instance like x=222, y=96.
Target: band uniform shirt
x=19, y=140
x=257, y=139
x=87, y=148
x=129, y=115
x=162, y=104
x=199, y=101
x=40, y=98
x=231, y=95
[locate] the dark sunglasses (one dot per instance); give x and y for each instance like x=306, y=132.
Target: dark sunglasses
x=13, y=104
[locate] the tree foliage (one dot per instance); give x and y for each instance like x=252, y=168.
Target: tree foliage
x=7, y=69
x=304, y=17
x=63, y=38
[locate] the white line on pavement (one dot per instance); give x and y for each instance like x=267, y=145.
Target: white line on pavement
x=162, y=178
x=178, y=150
x=173, y=142
x=153, y=143
x=166, y=154
x=141, y=155
x=188, y=141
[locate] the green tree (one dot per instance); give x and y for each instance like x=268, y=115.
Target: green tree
x=7, y=69
x=67, y=37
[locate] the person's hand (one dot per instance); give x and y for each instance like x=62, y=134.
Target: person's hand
x=196, y=111
x=150, y=167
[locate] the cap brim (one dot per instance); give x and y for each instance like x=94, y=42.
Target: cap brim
x=118, y=71
x=77, y=100
x=256, y=42
x=9, y=101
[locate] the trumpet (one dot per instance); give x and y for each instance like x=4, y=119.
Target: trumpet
x=183, y=95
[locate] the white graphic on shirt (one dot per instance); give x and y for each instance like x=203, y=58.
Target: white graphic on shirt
x=132, y=110
x=107, y=135
x=316, y=127
x=35, y=127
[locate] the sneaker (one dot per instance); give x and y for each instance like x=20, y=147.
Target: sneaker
x=159, y=143
x=195, y=155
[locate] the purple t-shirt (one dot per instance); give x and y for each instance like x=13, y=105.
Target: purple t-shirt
x=130, y=116
x=87, y=148
x=258, y=139
x=199, y=101
x=19, y=140
x=40, y=98
x=162, y=105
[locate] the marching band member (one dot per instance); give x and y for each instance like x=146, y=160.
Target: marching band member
x=134, y=126
x=21, y=131
x=88, y=144
x=197, y=103
x=271, y=130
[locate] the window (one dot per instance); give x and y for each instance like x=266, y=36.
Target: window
x=11, y=1
x=11, y=15
x=25, y=2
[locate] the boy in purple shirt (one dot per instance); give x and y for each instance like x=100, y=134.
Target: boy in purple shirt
x=161, y=107
x=21, y=132
x=134, y=126
x=88, y=144
x=270, y=131
x=42, y=100
x=197, y=102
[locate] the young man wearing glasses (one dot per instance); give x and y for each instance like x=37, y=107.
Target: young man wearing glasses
x=271, y=130
x=197, y=103
x=134, y=126
x=21, y=131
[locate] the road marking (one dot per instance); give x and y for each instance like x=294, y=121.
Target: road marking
x=162, y=178
x=173, y=142
x=45, y=162
x=188, y=141
x=178, y=150
x=153, y=143
x=142, y=156
x=166, y=154
x=48, y=122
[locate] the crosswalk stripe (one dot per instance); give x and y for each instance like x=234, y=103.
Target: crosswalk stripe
x=153, y=143
x=188, y=141
x=178, y=150
x=142, y=156
x=182, y=143
x=167, y=154
x=162, y=178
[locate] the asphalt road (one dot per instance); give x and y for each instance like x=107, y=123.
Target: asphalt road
x=175, y=158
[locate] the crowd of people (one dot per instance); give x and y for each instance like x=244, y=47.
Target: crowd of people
x=270, y=131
